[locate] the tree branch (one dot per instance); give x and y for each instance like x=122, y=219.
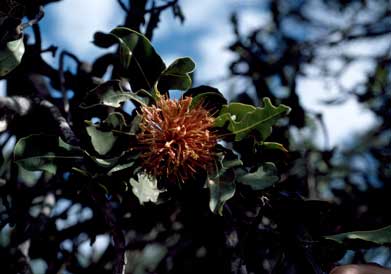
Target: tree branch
x=22, y=106
x=162, y=7
x=123, y=6
x=37, y=18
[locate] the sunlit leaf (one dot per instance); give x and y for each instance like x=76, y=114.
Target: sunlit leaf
x=106, y=163
x=45, y=152
x=11, y=56
x=273, y=145
x=102, y=141
x=120, y=168
x=380, y=236
x=104, y=135
x=242, y=119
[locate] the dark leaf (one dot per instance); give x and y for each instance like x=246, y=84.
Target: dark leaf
x=140, y=61
x=45, y=152
x=264, y=177
x=176, y=76
x=211, y=98
x=221, y=181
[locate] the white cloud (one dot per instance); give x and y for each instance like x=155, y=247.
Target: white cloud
x=356, y=73
x=342, y=121
x=368, y=47
x=203, y=15
x=75, y=23
x=215, y=56
x=2, y=87
x=213, y=20
x=251, y=19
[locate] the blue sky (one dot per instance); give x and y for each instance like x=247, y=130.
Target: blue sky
x=204, y=37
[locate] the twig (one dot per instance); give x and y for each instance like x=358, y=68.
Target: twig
x=123, y=6
x=319, y=116
x=106, y=210
x=119, y=246
x=62, y=124
x=63, y=54
x=153, y=21
x=162, y=7
x=37, y=18
x=37, y=35
x=23, y=262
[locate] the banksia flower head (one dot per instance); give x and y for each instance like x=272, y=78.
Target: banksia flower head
x=176, y=140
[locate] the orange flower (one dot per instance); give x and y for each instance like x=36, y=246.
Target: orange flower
x=176, y=140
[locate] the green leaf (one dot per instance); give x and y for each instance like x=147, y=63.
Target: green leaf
x=104, y=135
x=11, y=56
x=242, y=119
x=221, y=181
x=45, y=152
x=264, y=177
x=111, y=94
x=221, y=190
x=142, y=64
x=145, y=188
x=102, y=141
x=120, y=167
x=115, y=120
x=380, y=236
x=176, y=76
x=273, y=145
x=105, y=163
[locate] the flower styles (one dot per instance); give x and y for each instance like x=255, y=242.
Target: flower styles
x=176, y=139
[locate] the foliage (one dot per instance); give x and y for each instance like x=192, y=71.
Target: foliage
x=238, y=191
x=11, y=55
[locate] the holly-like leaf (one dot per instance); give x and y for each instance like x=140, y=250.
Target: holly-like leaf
x=45, y=152
x=140, y=61
x=111, y=94
x=380, y=236
x=145, y=189
x=242, y=119
x=177, y=75
x=264, y=177
x=11, y=56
